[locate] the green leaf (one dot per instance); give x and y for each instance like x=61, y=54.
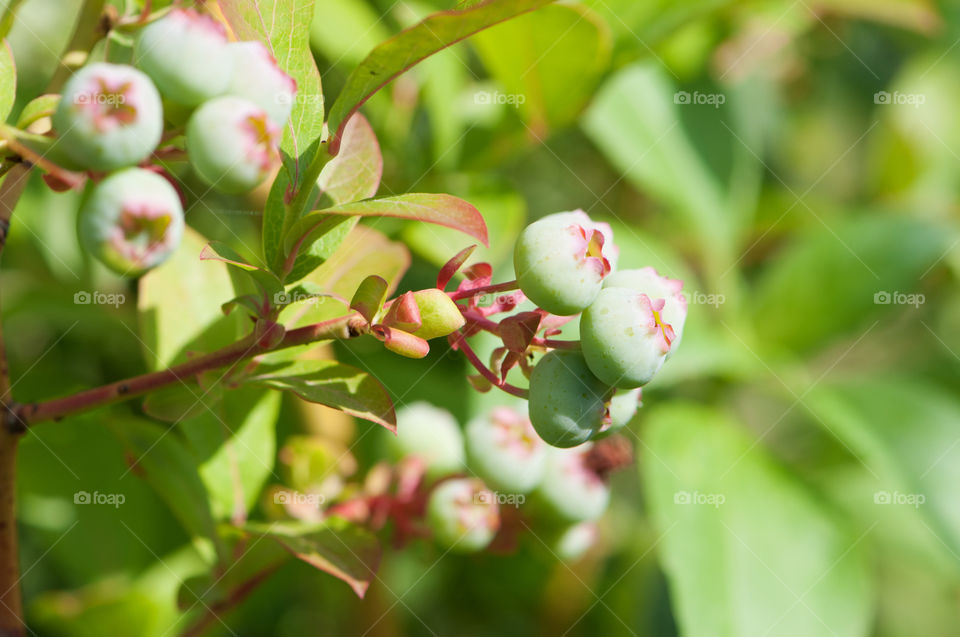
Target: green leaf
x=412, y=45
x=802, y=301
x=337, y=547
x=333, y=384
x=235, y=447
x=268, y=282
x=8, y=80
x=723, y=509
x=164, y=463
x=634, y=122
x=179, y=305
x=548, y=62
x=284, y=27
x=38, y=108
x=444, y=210
x=905, y=434
x=369, y=297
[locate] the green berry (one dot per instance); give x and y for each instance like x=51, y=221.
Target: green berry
x=463, y=515
x=131, y=221
x=649, y=282
x=232, y=144
x=570, y=488
x=575, y=540
x=560, y=262
x=258, y=78
x=566, y=400
x=624, y=338
x=110, y=116
x=186, y=54
x=504, y=450
x=621, y=409
x=433, y=435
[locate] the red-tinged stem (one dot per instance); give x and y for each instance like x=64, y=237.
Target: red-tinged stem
x=509, y=286
x=460, y=342
x=494, y=328
x=21, y=416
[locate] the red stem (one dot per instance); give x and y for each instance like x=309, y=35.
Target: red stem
x=459, y=341
x=509, y=286
x=494, y=328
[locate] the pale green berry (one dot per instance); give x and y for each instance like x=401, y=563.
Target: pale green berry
x=232, y=144
x=258, y=78
x=655, y=286
x=620, y=410
x=566, y=400
x=505, y=450
x=560, y=264
x=186, y=54
x=623, y=337
x=570, y=488
x=575, y=540
x=463, y=515
x=110, y=116
x=131, y=221
x=431, y=434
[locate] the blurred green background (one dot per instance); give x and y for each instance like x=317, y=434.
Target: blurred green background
x=795, y=162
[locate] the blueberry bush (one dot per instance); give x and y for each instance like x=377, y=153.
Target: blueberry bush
x=361, y=317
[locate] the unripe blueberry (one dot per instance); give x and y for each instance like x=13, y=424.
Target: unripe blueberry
x=621, y=410
x=572, y=490
x=110, y=116
x=257, y=78
x=624, y=338
x=560, y=264
x=433, y=435
x=186, y=54
x=504, y=450
x=232, y=144
x=463, y=515
x=575, y=540
x=131, y=221
x=566, y=400
x=647, y=281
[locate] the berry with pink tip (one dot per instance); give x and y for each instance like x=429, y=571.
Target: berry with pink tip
x=648, y=281
x=570, y=488
x=610, y=249
x=504, y=449
x=560, y=263
x=258, y=78
x=186, y=54
x=132, y=221
x=463, y=515
x=624, y=337
x=110, y=116
x=232, y=144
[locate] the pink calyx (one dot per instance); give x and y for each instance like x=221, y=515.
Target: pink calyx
x=652, y=309
x=110, y=105
x=262, y=136
x=140, y=232
x=589, y=250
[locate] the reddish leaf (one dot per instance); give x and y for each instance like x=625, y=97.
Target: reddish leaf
x=518, y=331
x=452, y=266
x=404, y=314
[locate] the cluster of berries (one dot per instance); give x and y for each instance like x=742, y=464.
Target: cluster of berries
x=512, y=472
x=111, y=118
x=631, y=322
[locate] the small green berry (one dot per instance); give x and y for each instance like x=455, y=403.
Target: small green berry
x=232, y=144
x=570, y=488
x=463, y=515
x=566, y=400
x=186, y=54
x=505, y=450
x=257, y=78
x=110, y=116
x=131, y=221
x=433, y=435
x=624, y=338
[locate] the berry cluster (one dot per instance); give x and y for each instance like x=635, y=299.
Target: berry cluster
x=631, y=322
x=111, y=118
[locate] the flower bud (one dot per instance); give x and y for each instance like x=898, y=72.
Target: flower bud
x=131, y=221
x=439, y=315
